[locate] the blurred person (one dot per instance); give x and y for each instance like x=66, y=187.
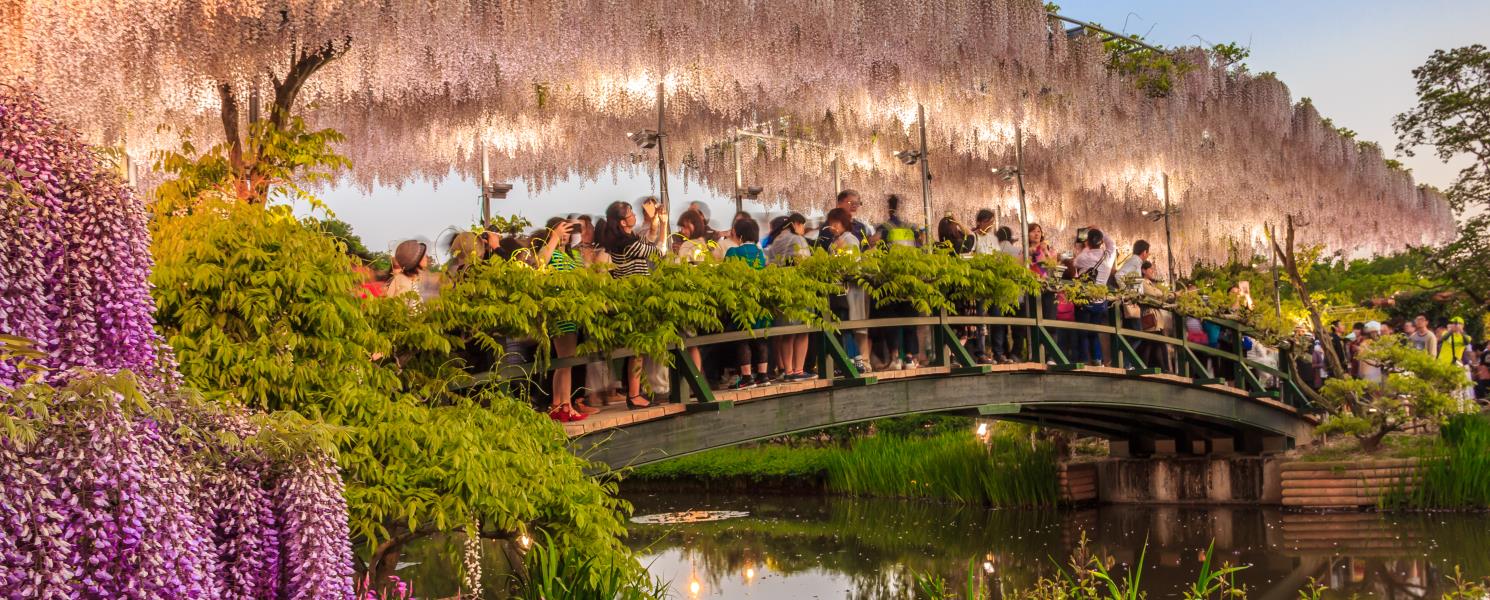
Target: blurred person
x=1423, y=338
x=693, y=229
x=895, y=230
x=985, y=238
x=651, y=227
x=848, y=201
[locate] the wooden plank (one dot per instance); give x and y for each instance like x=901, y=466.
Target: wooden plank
x=1349, y=474
x=1329, y=502
x=1364, y=481
x=1300, y=465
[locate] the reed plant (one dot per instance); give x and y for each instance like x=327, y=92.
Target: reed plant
x=1089, y=576
x=1456, y=475
x=558, y=572
x=953, y=466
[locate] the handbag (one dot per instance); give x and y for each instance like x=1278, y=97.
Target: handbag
x=1149, y=321
x=1132, y=311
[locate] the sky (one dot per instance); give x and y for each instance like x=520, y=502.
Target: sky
x=1353, y=58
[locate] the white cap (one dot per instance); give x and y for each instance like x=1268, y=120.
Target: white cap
x=1373, y=327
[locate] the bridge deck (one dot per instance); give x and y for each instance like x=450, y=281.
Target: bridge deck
x=617, y=416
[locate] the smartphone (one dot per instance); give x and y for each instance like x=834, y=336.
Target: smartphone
x=1081, y=234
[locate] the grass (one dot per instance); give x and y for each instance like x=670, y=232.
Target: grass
x=755, y=463
x=1402, y=445
x=949, y=465
x=1456, y=474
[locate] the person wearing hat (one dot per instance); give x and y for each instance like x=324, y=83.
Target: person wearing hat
x=1454, y=344
x=410, y=262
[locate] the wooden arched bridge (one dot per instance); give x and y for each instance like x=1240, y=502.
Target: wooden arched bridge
x=1210, y=400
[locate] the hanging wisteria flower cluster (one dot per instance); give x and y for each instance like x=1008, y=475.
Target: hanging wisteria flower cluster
x=113, y=486
x=551, y=87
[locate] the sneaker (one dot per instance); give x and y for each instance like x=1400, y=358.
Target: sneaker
x=912, y=364
x=761, y=379
x=742, y=382
x=862, y=365
x=897, y=365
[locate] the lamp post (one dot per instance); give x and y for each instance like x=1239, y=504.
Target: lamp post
x=739, y=179
x=666, y=207
x=1155, y=215
x=1016, y=173
x=485, y=181
x=914, y=157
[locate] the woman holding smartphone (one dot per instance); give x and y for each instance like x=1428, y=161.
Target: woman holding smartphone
x=632, y=256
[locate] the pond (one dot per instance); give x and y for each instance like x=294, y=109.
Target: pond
x=835, y=547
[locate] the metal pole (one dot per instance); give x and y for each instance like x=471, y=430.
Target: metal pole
x=1277, y=285
x=925, y=175
x=739, y=180
x=666, y=208
x=1024, y=213
x=485, y=185
x=1168, y=243
x=837, y=182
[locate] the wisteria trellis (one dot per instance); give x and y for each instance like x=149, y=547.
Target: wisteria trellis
x=111, y=500
x=551, y=85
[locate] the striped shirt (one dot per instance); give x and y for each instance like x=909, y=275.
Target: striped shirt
x=636, y=259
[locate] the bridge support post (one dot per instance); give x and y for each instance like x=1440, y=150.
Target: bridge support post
x=948, y=344
x=1125, y=350
x=685, y=372
x=834, y=356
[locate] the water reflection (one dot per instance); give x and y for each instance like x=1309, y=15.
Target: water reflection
x=791, y=547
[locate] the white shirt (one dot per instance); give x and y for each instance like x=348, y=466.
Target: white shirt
x=985, y=242
x=1132, y=268
x=722, y=246
x=1012, y=249
x=1098, y=258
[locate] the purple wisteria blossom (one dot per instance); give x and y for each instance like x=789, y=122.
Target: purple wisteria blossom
x=114, y=495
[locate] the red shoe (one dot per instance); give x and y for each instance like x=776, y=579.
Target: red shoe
x=564, y=414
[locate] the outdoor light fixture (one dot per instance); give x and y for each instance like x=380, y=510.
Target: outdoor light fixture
x=645, y=139
x=1005, y=173
x=909, y=157
x=498, y=190
x=753, y=192
x=1152, y=215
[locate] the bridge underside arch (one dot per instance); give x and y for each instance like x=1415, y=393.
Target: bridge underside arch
x=1144, y=414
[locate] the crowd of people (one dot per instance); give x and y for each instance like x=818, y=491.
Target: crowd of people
x=632, y=239
x=1446, y=342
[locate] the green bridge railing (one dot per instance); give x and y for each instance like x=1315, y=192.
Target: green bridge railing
x=1202, y=363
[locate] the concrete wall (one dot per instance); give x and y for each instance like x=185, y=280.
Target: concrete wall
x=1190, y=480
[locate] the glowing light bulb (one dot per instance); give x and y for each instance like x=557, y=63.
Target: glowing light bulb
x=982, y=430
x=749, y=574
x=524, y=541
x=694, y=587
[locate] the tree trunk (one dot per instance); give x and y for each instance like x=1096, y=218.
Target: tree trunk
x=250, y=168
x=1372, y=443
x=1288, y=259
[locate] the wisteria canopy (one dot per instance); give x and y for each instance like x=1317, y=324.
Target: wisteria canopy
x=552, y=86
